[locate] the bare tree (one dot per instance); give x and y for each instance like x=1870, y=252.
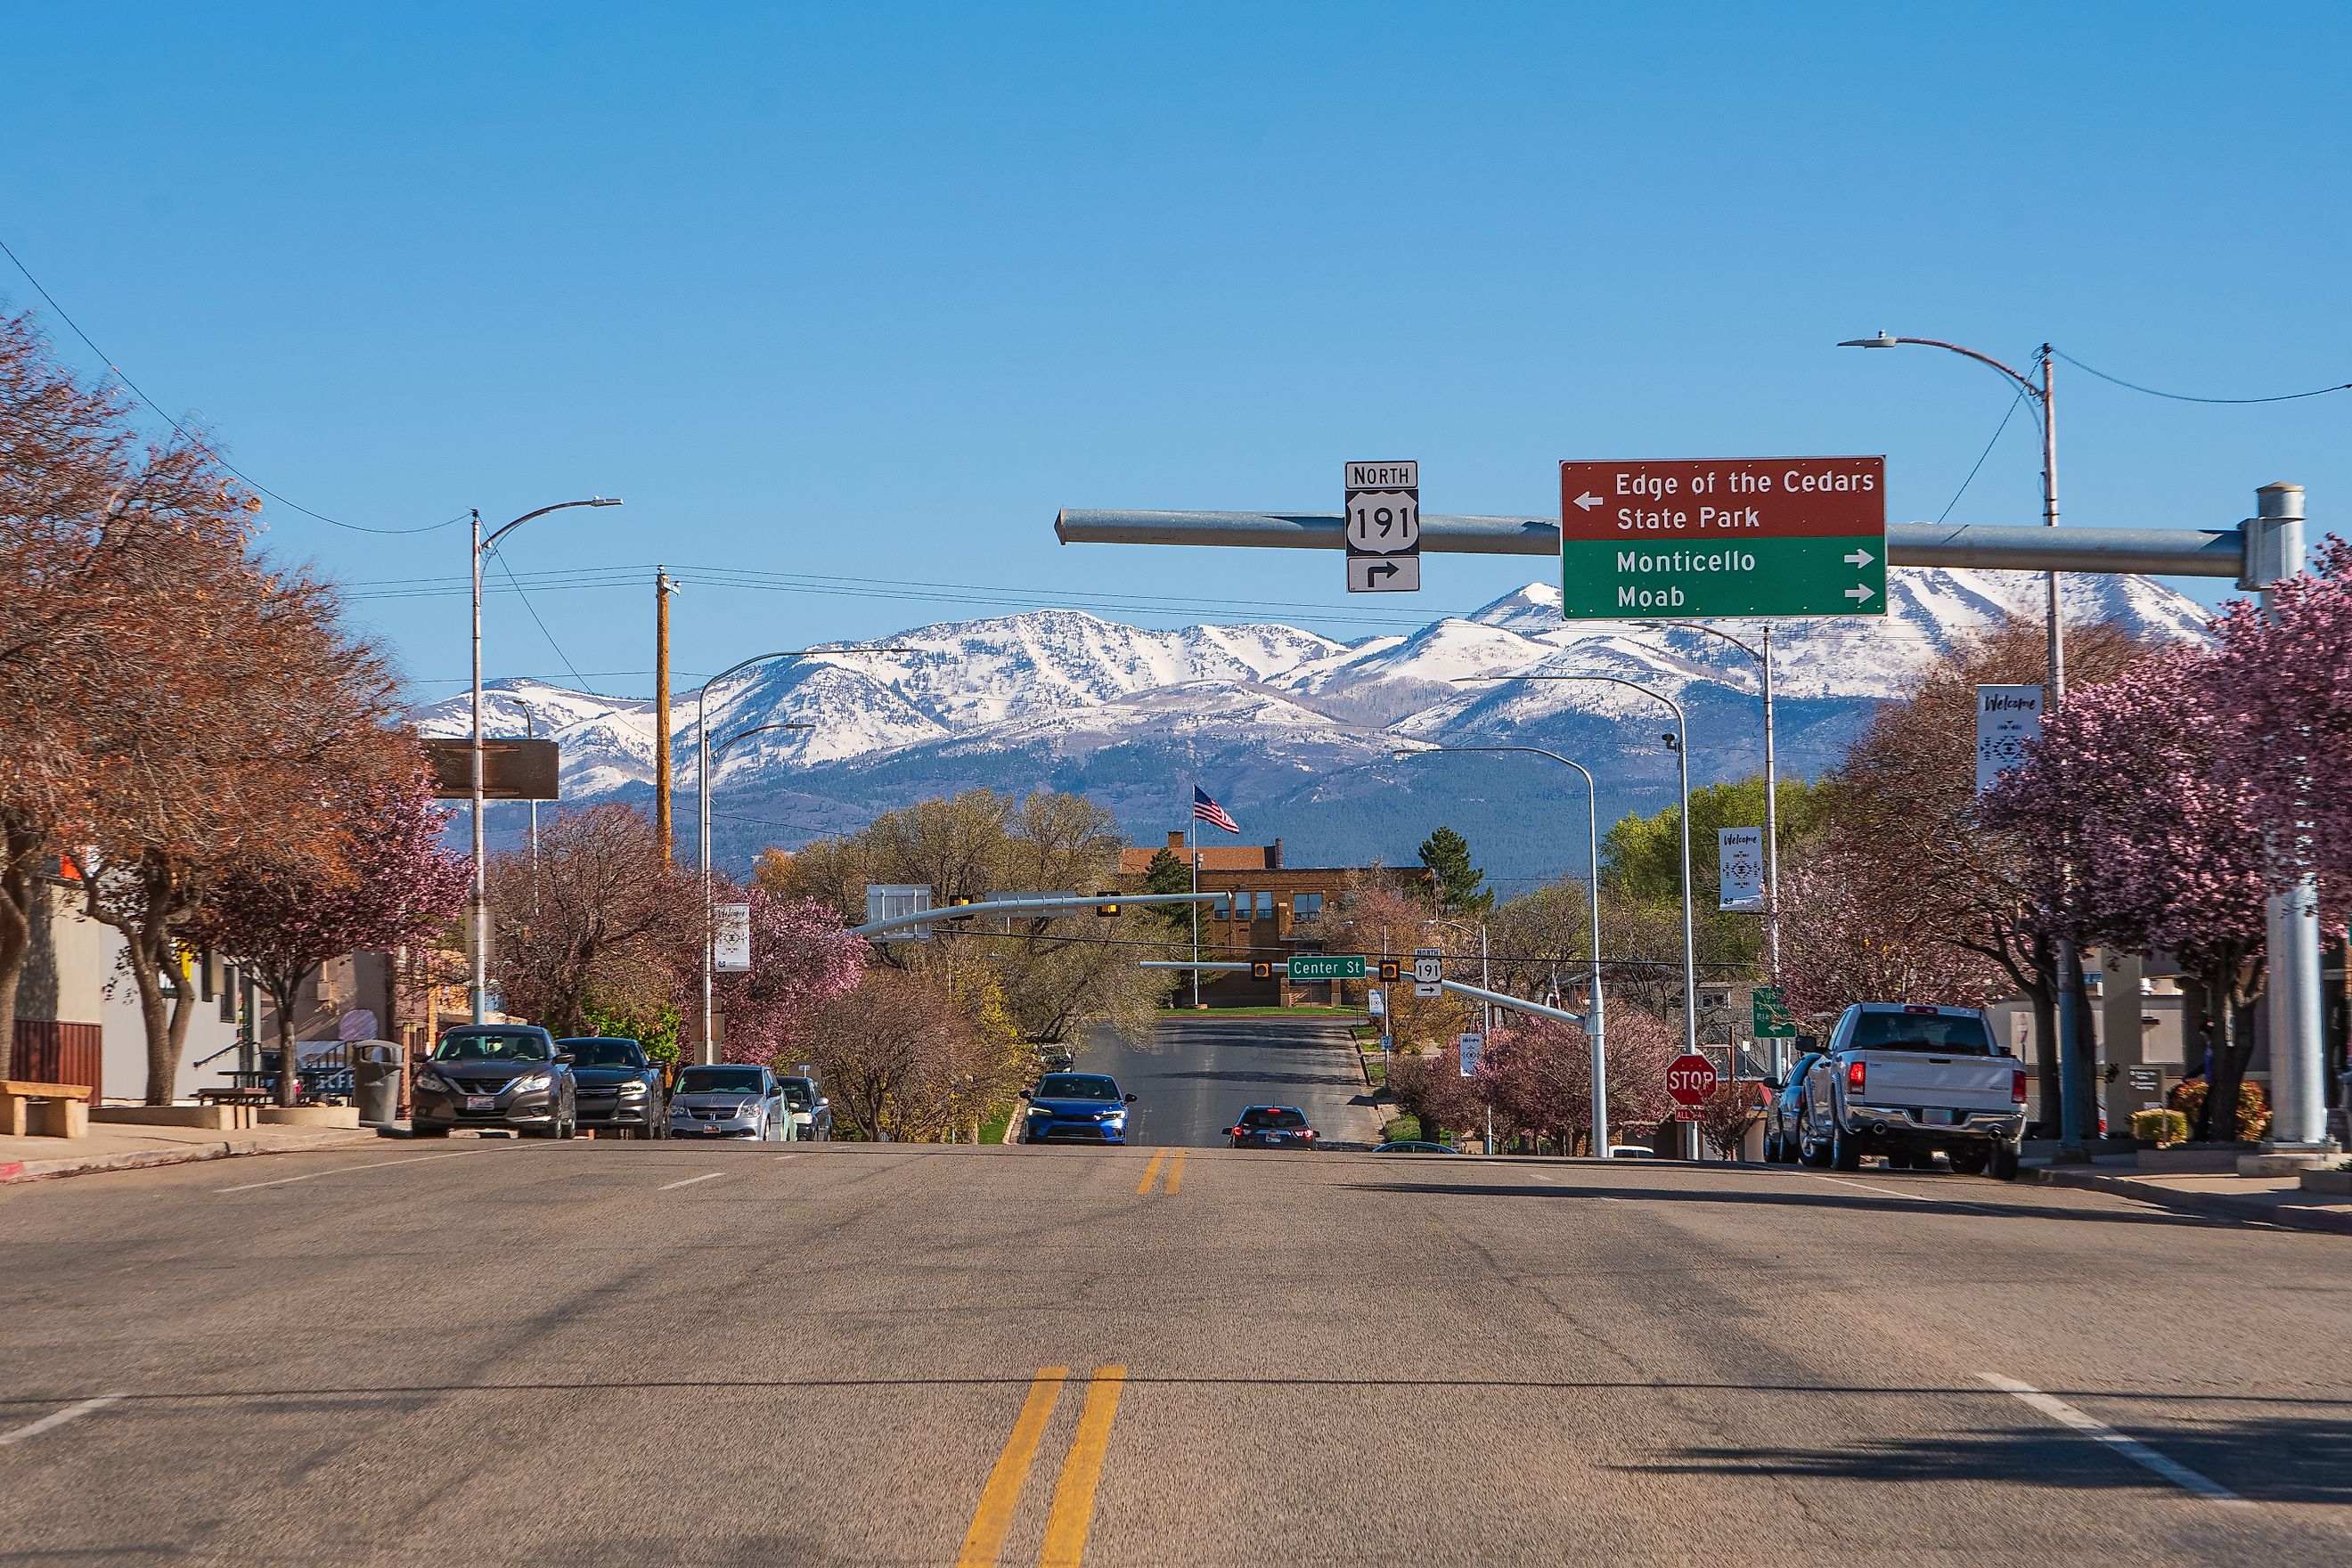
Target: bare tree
x=605, y=919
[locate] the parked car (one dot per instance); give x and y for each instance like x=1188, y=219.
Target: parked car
x=728, y=1102
x=1908, y=1082
x=809, y=1114
x=619, y=1086
x=1076, y=1108
x=1415, y=1146
x=509, y=1076
x=1272, y=1127
x=1784, y=1113
x=1631, y=1151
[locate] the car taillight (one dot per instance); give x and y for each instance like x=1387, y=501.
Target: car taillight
x=1309, y=1133
x=2017, y=1087
x=1856, y=1074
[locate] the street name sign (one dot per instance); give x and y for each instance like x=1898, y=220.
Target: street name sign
x=1690, y=1079
x=1383, y=515
x=1739, y=858
x=1773, y=1020
x=1723, y=536
x=1325, y=966
x=2008, y=720
x=1428, y=971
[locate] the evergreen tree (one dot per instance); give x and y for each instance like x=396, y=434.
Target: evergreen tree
x=1448, y=856
x=1168, y=874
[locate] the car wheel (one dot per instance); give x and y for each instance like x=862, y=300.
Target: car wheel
x=1845, y=1155
x=1971, y=1160
x=568, y=1126
x=1772, y=1147
x=1812, y=1150
x=2003, y=1166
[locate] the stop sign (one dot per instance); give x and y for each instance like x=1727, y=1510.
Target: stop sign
x=1690, y=1079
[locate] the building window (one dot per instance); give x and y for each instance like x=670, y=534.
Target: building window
x=1223, y=909
x=1264, y=905
x=230, y=979
x=1306, y=906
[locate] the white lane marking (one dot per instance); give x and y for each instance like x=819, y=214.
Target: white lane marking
x=690, y=1180
x=379, y=1165
x=788, y=1156
x=1899, y=1193
x=2098, y=1431
x=57, y=1418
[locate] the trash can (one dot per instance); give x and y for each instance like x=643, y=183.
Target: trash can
x=375, y=1082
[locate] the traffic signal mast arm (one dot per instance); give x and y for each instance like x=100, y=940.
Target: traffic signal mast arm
x=1028, y=907
x=2157, y=551
x=1475, y=993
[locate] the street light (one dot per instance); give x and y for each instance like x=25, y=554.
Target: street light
x=479, y=987
x=2074, y=1073
x=703, y=759
x=1679, y=742
x=1763, y=656
x=1596, y=1012
x=1485, y=1008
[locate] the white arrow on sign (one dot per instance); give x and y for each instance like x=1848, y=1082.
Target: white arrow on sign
x=1588, y=501
x=1860, y=558
x=1860, y=595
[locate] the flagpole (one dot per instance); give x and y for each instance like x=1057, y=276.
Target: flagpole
x=1193, y=858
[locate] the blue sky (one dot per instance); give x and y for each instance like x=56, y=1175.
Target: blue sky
x=868, y=292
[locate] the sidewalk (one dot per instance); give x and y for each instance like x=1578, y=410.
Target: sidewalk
x=113, y=1146
x=2211, y=1195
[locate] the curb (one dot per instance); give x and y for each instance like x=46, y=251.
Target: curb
x=13, y=1172
x=2205, y=1206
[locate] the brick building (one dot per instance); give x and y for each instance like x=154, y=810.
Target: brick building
x=1268, y=911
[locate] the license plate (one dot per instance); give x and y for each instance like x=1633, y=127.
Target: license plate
x=481, y=1103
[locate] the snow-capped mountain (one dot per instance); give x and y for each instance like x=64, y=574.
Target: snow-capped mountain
x=1294, y=732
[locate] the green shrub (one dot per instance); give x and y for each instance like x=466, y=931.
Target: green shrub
x=2161, y=1128
x=1401, y=1130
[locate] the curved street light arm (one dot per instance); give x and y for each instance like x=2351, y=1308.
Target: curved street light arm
x=1884, y=342
x=719, y=751
x=490, y=543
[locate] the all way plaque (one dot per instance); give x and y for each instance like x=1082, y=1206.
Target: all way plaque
x=1723, y=536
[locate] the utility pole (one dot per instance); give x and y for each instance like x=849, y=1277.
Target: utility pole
x=664, y=586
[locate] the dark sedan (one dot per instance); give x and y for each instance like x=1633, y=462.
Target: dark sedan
x=1076, y=1108
x=1784, y=1113
x=617, y=1086
x=509, y=1076
x=1272, y=1127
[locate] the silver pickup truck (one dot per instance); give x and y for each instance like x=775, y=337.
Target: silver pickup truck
x=1910, y=1082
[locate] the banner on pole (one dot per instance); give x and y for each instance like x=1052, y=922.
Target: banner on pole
x=730, y=939
x=2008, y=720
x=1474, y=1049
x=1739, y=858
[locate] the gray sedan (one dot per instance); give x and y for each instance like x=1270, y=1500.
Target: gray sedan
x=729, y=1101
x=509, y=1076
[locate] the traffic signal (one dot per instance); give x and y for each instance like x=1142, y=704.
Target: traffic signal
x=1260, y=970
x=1391, y=970
x=1111, y=906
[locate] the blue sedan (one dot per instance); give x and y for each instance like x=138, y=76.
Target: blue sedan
x=1076, y=1108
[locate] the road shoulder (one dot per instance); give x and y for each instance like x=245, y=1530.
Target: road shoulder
x=127, y=1148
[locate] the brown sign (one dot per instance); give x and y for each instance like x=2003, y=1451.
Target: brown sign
x=1724, y=498
x=512, y=769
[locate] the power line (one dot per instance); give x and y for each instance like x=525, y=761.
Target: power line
x=189, y=437
x=545, y=633
x=2007, y=415
x=2184, y=397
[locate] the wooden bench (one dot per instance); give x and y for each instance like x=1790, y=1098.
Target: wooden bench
x=44, y=1109
x=242, y=1101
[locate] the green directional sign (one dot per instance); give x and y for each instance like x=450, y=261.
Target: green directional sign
x=1327, y=966
x=1735, y=536
x=1773, y=1019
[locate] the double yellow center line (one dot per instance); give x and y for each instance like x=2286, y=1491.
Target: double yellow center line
x=1072, y=1513
x=1175, y=1172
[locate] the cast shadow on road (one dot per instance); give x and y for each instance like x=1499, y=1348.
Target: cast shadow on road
x=1848, y=1201
x=2262, y=1458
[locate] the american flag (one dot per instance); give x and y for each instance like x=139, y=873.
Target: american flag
x=1209, y=810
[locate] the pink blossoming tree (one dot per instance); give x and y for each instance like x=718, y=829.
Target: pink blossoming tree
x=802, y=957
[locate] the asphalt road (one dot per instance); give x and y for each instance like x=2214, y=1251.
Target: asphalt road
x=1200, y=1071
x=486, y=1352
